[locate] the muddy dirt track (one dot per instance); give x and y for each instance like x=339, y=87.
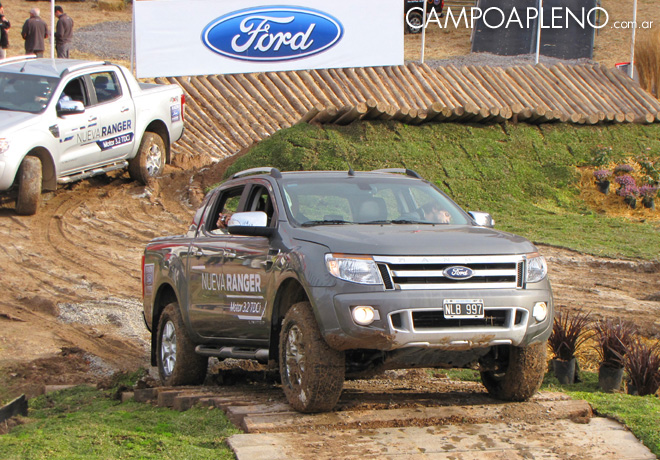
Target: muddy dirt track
x=71, y=277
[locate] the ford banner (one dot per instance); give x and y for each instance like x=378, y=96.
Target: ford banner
x=206, y=37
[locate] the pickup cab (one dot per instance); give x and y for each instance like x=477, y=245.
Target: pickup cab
x=336, y=273
x=63, y=120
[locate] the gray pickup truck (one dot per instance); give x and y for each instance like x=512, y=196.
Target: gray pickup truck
x=333, y=274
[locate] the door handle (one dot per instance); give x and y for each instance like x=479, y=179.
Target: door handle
x=91, y=119
x=229, y=254
x=198, y=252
x=125, y=109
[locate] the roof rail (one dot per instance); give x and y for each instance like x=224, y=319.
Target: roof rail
x=406, y=171
x=263, y=170
x=17, y=59
x=82, y=65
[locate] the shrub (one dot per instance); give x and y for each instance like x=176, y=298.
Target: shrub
x=569, y=332
x=648, y=191
x=642, y=364
x=602, y=174
x=623, y=169
x=612, y=338
x=625, y=181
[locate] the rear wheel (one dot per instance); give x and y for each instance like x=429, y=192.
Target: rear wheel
x=149, y=162
x=312, y=373
x=414, y=22
x=519, y=374
x=178, y=364
x=29, y=186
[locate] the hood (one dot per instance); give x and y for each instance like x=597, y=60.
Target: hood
x=411, y=240
x=11, y=121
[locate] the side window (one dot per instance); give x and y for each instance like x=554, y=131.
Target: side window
x=75, y=91
x=227, y=204
x=260, y=200
x=106, y=86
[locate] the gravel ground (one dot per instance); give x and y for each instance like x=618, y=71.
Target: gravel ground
x=502, y=61
x=108, y=40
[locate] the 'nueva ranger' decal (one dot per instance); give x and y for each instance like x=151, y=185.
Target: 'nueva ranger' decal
x=272, y=34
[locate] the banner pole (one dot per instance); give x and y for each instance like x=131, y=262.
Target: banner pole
x=52, y=29
x=423, y=31
x=538, y=32
x=631, y=69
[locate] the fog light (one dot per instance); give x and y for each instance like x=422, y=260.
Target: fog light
x=540, y=311
x=364, y=315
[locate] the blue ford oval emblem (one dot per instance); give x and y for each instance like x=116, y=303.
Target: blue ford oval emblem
x=272, y=34
x=458, y=273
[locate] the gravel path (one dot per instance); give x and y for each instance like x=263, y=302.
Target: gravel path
x=107, y=40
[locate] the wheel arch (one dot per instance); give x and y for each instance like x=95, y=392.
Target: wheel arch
x=163, y=297
x=49, y=174
x=159, y=127
x=290, y=292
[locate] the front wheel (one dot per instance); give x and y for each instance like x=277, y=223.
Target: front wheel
x=149, y=162
x=312, y=373
x=29, y=186
x=178, y=364
x=520, y=372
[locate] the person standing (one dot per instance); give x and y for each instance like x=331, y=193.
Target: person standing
x=35, y=32
x=4, y=36
x=63, y=33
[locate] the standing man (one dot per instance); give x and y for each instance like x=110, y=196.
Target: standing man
x=34, y=32
x=4, y=36
x=63, y=33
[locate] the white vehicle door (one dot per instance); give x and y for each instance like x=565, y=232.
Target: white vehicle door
x=116, y=115
x=77, y=132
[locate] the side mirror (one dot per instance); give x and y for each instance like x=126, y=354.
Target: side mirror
x=250, y=224
x=70, y=108
x=483, y=219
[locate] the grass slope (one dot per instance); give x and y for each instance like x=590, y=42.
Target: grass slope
x=526, y=176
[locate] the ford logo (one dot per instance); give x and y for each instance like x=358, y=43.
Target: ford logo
x=272, y=34
x=458, y=273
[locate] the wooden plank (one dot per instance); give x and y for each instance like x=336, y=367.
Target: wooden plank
x=372, y=76
x=246, y=82
x=395, y=91
x=18, y=406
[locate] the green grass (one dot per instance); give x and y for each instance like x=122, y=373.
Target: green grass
x=525, y=176
x=639, y=413
x=86, y=424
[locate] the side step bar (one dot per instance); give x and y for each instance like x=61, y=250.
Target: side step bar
x=260, y=354
x=93, y=172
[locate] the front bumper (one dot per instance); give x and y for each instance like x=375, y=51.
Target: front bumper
x=416, y=319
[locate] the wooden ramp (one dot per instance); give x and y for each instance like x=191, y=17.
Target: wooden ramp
x=227, y=113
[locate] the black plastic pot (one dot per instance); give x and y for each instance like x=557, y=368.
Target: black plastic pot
x=603, y=186
x=630, y=201
x=564, y=371
x=648, y=203
x=610, y=378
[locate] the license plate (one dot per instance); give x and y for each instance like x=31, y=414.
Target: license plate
x=463, y=308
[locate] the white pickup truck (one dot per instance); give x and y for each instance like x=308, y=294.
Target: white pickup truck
x=65, y=120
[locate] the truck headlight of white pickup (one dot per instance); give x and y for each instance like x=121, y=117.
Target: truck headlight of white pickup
x=356, y=269
x=537, y=269
x=4, y=145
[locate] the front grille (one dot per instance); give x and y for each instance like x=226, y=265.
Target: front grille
x=435, y=319
x=488, y=272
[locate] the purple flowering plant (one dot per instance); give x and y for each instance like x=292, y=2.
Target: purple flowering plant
x=648, y=191
x=626, y=181
x=602, y=174
x=628, y=191
x=623, y=169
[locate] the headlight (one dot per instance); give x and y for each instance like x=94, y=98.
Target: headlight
x=356, y=269
x=536, y=268
x=4, y=145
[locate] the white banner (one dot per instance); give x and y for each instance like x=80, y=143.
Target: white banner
x=207, y=37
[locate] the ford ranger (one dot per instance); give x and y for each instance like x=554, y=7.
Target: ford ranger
x=63, y=120
x=329, y=274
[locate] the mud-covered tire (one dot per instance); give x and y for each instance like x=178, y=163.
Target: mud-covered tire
x=521, y=373
x=149, y=162
x=178, y=364
x=29, y=186
x=312, y=373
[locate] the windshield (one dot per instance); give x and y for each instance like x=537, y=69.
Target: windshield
x=368, y=200
x=25, y=93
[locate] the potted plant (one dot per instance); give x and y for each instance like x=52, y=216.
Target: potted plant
x=569, y=332
x=642, y=364
x=612, y=338
x=627, y=189
x=623, y=169
x=648, y=193
x=602, y=177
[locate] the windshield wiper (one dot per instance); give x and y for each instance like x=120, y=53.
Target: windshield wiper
x=407, y=221
x=311, y=223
